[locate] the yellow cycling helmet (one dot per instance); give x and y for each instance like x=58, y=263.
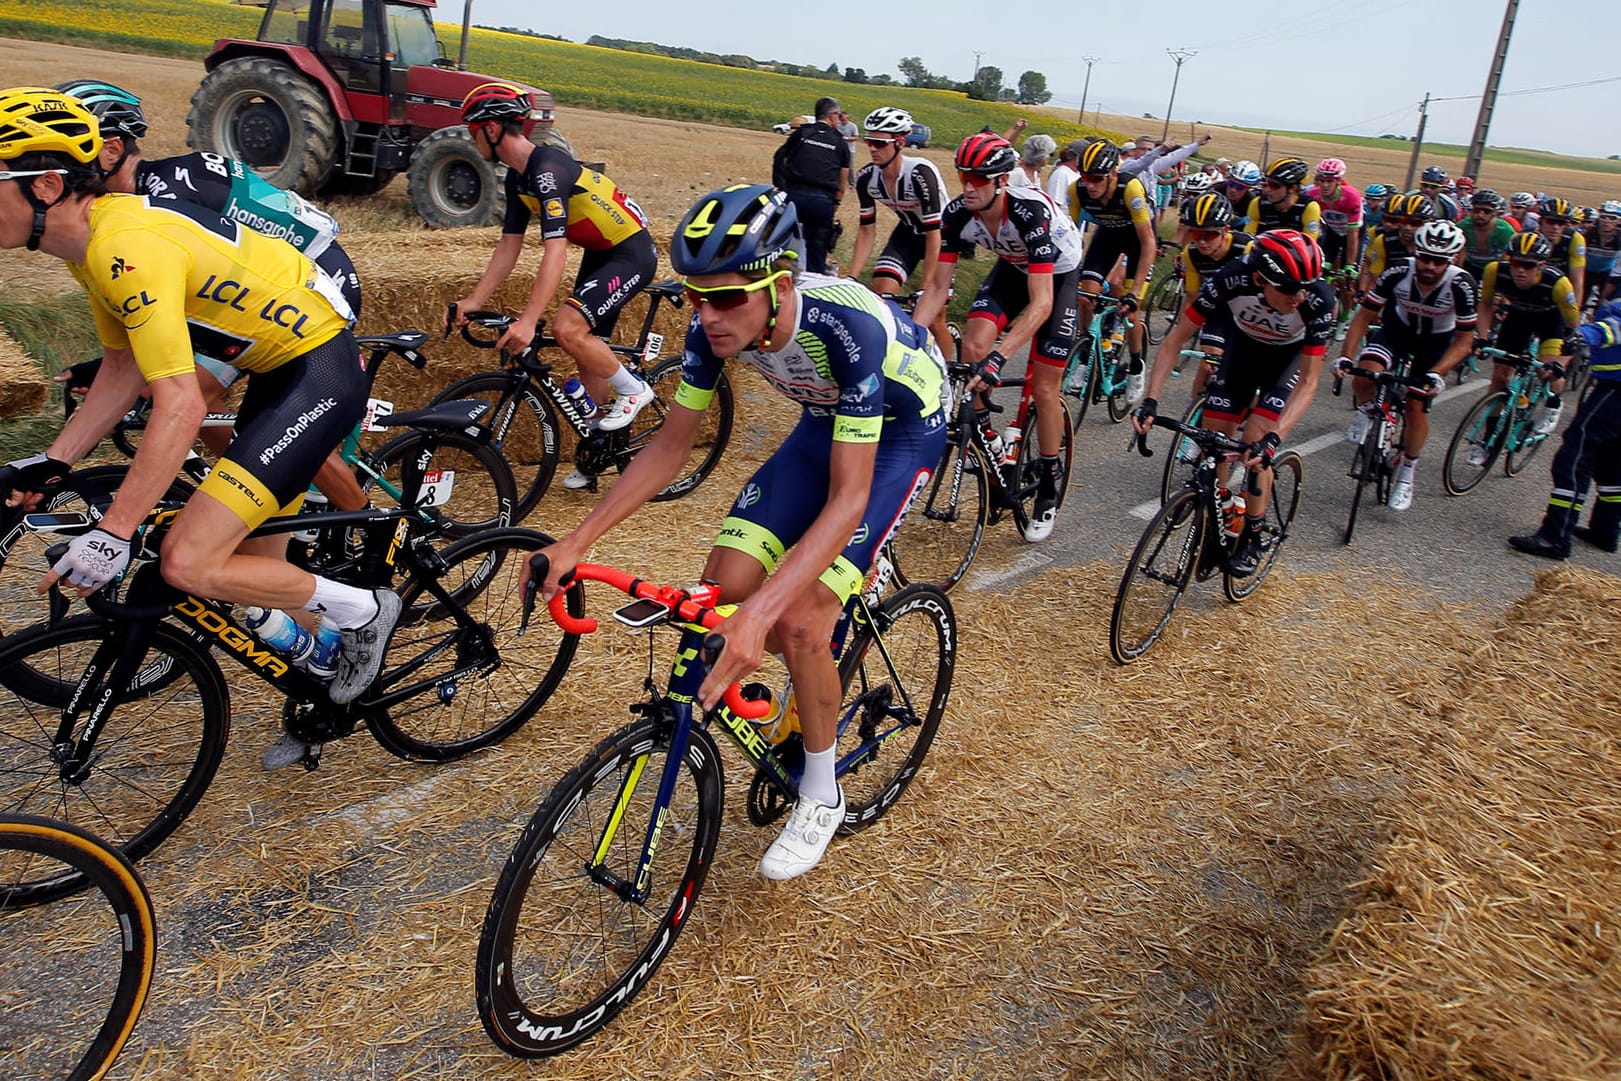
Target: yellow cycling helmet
x=38, y=120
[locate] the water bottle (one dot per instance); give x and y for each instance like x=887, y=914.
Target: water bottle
x=322, y=662
x=1010, y=445
x=993, y=440
x=1232, y=513
x=759, y=692
x=277, y=630
x=314, y=501
x=785, y=722
x=576, y=392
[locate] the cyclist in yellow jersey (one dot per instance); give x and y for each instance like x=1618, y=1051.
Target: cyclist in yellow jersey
x=1122, y=214
x=165, y=280
x=1569, y=256
x=1282, y=204
x=576, y=206
x=1523, y=296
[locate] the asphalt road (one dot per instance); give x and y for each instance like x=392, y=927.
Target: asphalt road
x=1455, y=545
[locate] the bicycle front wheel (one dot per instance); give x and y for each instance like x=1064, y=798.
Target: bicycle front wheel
x=78, y=970
x=1288, y=474
x=896, y=676
x=1157, y=575
x=527, y=426
x=153, y=759
x=562, y=951
x=940, y=536
x=714, y=431
x=464, y=479
x=1024, y=484
x=1367, y=470
x=1476, y=444
x=1183, y=460
x=480, y=683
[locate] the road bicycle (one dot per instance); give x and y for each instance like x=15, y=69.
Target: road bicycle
x=1098, y=369
x=982, y=475
x=1166, y=302
x=531, y=410
x=1183, y=459
x=606, y=873
x=1503, y=424
x=117, y=719
x=1194, y=535
x=78, y=970
x=1378, y=456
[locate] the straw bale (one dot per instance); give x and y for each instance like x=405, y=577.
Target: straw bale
x=1483, y=940
x=23, y=387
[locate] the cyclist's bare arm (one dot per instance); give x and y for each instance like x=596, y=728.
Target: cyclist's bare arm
x=931, y=253
x=1305, y=392
x=1149, y=240
x=654, y=466
x=936, y=292
x=117, y=384
x=553, y=261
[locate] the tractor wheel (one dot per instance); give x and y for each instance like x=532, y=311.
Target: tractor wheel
x=451, y=185
x=552, y=137
x=266, y=114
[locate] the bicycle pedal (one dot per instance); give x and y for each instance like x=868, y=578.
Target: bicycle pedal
x=312, y=757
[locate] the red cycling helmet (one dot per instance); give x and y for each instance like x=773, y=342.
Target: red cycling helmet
x=495, y=101
x=985, y=154
x=1286, y=258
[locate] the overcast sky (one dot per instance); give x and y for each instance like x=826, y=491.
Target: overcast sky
x=1359, y=68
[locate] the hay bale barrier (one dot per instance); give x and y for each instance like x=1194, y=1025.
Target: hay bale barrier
x=23, y=386
x=1483, y=942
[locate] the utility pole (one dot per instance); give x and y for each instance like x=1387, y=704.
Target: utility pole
x=1488, y=100
x=1090, y=60
x=1418, y=142
x=974, y=78
x=1180, y=56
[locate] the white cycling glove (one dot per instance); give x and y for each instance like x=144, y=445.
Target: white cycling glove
x=93, y=559
x=1438, y=383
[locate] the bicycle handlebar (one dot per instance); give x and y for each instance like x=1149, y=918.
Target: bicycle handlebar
x=490, y=320
x=1383, y=376
x=696, y=605
x=1202, y=436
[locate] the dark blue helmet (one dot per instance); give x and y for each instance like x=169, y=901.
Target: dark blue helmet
x=743, y=228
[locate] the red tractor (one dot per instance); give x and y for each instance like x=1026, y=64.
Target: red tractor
x=337, y=96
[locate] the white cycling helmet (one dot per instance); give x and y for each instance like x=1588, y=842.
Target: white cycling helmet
x=1198, y=183
x=1439, y=238
x=1522, y=200
x=886, y=120
x=1246, y=172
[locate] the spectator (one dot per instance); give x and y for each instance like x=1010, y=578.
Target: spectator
x=847, y=128
x=1038, y=151
x=813, y=167
x=1065, y=174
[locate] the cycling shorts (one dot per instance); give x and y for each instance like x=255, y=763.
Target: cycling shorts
x=1517, y=329
x=1248, y=374
x=1005, y=293
x=783, y=498
x=1104, y=251
x=901, y=255
x=291, y=418
x=610, y=277
x=1423, y=352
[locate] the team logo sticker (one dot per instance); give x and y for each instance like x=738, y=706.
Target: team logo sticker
x=554, y=208
x=120, y=267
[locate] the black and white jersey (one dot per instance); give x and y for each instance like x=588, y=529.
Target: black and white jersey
x=1034, y=234
x=918, y=200
x=1449, y=307
x=1233, y=297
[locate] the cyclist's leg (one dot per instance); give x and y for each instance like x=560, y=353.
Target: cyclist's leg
x=606, y=282
x=1265, y=419
x=1049, y=353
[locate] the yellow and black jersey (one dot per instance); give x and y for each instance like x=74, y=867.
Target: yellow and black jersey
x=169, y=279
x=573, y=202
x=1197, y=266
x=1124, y=208
x=1552, y=292
x=1306, y=215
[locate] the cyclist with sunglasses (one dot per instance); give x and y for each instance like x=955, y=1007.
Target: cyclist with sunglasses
x=1432, y=182
x=1374, y=197
x=1341, y=208
x=1275, y=314
x=1242, y=180
x=1425, y=310
x=1603, y=240
x=1027, y=299
x=1404, y=214
x=1281, y=203
x=873, y=395
x=1121, y=213
x=1528, y=298
x=914, y=189
x=577, y=206
x=1210, y=244
x=1486, y=234
x=1568, y=246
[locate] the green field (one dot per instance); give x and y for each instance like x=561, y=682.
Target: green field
x=581, y=76
x=1502, y=155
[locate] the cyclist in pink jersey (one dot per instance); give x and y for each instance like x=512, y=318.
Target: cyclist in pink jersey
x=1341, y=205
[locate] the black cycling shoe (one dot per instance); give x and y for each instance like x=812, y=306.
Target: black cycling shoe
x=1604, y=542
x=1246, y=558
x=1535, y=544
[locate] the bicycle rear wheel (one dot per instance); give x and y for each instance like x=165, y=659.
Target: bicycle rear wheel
x=465, y=480
x=1164, y=308
x=1522, y=442
x=1480, y=434
x=78, y=970
x=1287, y=477
x=942, y=531
x=153, y=759
x=531, y=436
x=1024, y=484
x=1157, y=575
x=714, y=431
x=896, y=675
x=486, y=681
x=561, y=953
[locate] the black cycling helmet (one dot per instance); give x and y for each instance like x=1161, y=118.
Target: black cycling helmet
x=985, y=154
x=1530, y=246
x=1413, y=204
x=118, y=110
x=1288, y=171
x=1208, y=211
x=495, y=101
x=1099, y=157
x=736, y=230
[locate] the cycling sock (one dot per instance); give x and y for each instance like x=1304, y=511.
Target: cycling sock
x=1136, y=364
x=624, y=382
x=819, y=783
x=347, y=606
x=1408, y=467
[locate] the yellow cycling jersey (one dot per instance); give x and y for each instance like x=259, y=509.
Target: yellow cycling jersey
x=170, y=279
x=1125, y=208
